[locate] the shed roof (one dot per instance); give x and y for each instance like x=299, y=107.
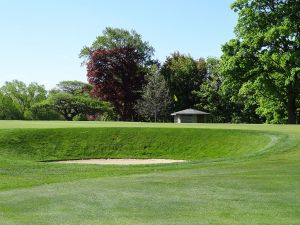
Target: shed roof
x=189, y=112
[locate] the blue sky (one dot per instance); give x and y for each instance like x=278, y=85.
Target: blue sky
x=40, y=40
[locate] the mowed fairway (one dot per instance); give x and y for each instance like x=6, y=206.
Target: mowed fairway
x=235, y=174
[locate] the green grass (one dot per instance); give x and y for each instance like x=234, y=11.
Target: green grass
x=82, y=143
x=237, y=174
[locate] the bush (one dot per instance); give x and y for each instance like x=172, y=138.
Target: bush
x=45, y=114
x=80, y=117
x=107, y=117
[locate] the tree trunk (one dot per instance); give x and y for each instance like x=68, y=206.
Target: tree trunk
x=291, y=108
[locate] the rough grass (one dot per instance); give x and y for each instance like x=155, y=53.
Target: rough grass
x=249, y=175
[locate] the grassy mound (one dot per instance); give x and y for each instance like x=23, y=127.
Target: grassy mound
x=169, y=143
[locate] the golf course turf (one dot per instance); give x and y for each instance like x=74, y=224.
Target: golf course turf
x=235, y=174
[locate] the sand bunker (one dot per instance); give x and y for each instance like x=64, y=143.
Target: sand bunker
x=122, y=161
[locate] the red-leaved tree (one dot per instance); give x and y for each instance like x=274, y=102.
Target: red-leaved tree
x=117, y=77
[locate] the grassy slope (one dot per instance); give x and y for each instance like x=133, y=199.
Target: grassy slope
x=260, y=190
x=77, y=143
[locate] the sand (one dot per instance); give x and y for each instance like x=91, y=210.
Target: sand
x=121, y=161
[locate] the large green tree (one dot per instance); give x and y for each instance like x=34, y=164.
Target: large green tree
x=183, y=75
x=22, y=97
x=72, y=98
x=70, y=106
x=209, y=95
x=225, y=101
x=8, y=110
x=266, y=51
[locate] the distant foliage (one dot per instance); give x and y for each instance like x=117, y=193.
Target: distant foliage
x=9, y=110
x=183, y=75
x=209, y=96
x=17, y=99
x=71, y=99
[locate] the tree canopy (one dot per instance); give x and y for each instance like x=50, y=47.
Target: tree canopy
x=266, y=52
x=73, y=87
x=72, y=98
x=117, y=38
x=70, y=106
x=183, y=75
x=19, y=98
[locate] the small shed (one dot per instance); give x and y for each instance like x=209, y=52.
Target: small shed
x=190, y=116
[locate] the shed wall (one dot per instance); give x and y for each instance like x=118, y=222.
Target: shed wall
x=190, y=118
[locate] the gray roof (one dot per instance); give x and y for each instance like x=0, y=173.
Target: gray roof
x=189, y=112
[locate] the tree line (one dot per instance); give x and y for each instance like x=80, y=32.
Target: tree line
x=256, y=80
x=69, y=100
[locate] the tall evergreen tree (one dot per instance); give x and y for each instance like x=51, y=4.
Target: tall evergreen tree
x=155, y=103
